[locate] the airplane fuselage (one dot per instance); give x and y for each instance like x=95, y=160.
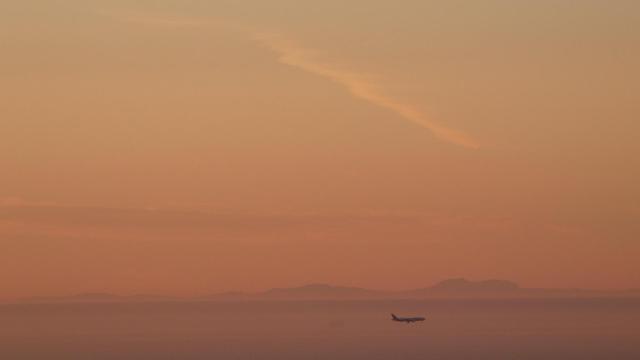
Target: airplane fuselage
x=408, y=320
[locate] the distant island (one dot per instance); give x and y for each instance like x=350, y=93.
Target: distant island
x=450, y=288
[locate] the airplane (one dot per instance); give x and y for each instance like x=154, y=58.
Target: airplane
x=407, y=320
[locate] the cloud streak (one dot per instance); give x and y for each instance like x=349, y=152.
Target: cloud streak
x=289, y=53
x=359, y=85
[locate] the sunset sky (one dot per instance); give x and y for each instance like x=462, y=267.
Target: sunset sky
x=192, y=147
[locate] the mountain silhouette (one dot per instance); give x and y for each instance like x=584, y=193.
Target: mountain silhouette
x=97, y=298
x=450, y=288
x=464, y=285
x=319, y=291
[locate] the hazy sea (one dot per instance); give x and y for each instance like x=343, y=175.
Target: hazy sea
x=454, y=329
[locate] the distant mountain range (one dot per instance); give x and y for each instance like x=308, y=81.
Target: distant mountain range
x=451, y=288
x=97, y=297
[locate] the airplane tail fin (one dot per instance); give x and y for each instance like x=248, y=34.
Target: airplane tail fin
x=394, y=317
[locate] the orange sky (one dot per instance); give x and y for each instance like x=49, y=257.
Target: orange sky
x=163, y=147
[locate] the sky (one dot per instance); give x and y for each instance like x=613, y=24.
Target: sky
x=193, y=147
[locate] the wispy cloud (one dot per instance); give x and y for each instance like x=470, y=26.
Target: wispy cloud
x=359, y=85
x=290, y=53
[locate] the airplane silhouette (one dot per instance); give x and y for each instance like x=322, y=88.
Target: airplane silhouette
x=407, y=320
